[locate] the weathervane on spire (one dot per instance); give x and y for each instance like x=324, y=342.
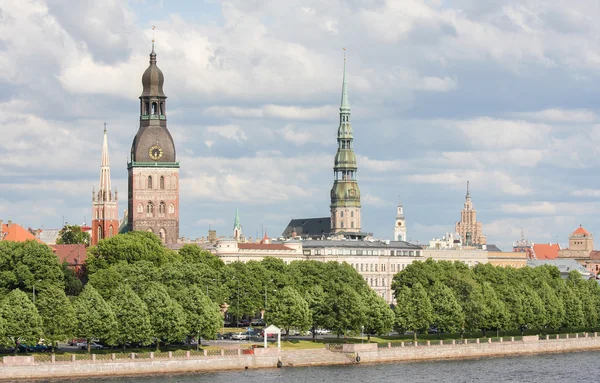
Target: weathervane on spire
x=153, y=27
x=344, y=53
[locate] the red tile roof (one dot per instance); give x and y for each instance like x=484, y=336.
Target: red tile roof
x=17, y=233
x=546, y=251
x=581, y=231
x=262, y=246
x=72, y=254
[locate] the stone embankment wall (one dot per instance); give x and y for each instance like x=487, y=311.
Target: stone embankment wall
x=27, y=367
x=477, y=348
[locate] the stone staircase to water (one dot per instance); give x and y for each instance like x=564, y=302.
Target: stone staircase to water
x=313, y=357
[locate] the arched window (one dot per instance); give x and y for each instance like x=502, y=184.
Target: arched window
x=146, y=107
x=352, y=224
x=154, y=108
x=97, y=214
x=140, y=208
x=341, y=214
x=171, y=209
x=162, y=234
x=99, y=233
x=149, y=182
x=342, y=224
x=162, y=208
x=162, y=182
x=352, y=214
x=110, y=231
x=150, y=208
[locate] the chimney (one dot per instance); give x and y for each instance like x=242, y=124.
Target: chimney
x=9, y=224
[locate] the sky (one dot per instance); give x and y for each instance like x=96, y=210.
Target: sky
x=503, y=94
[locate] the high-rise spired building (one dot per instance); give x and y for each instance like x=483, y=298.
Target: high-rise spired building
x=105, y=209
x=345, y=194
x=468, y=228
x=153, y=167
x=237, y=226
x=400, y=227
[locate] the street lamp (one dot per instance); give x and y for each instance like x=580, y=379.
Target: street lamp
x=362, y=329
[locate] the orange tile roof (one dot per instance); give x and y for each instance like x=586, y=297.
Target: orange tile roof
x=72, y=254
x=546, y=251
x=17, y=233
x=581, y=230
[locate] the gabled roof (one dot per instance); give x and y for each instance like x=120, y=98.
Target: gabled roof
x=308, y=227
x=72, y=254
x=49, y=236
x=546, y=251
x=581, y=231
x=17, y=233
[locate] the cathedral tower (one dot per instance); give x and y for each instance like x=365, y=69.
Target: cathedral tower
x=105, y=211
x=153, y=168
x=400, y=227
x=468, y=228
x=345, y=194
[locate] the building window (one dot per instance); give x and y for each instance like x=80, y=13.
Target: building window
x=352, y=224
x=110, y=231
x=140, y=208
x=99, y=233
x=150, y=209
x=383, y=282
x=361, y=267
x=376, y=267
x=371, y=267
x=153, y=108
x=341, y=214
x=162, y=235
x=149, y=182
x=162, y=208
x=162, y=182
x=342, y=224
x=382, y=267
x=393, y=267
x=171, y=209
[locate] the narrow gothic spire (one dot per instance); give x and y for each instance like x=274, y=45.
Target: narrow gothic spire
x=105, y=166
x=345, y=105
x=236, y=223
x=468, y=196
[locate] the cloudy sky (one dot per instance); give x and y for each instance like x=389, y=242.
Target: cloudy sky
x=502, y=93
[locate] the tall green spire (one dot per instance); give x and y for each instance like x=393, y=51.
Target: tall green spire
x=345, y=106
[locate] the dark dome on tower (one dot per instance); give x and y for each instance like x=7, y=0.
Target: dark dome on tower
x=153, y=78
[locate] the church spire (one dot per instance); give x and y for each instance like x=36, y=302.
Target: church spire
x=105, y=186
x=345, y=105
x=237, y=227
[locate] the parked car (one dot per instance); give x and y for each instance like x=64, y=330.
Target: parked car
x=38, y=348
x=292, y=332
x=321, y=331
x=258, y=322
x=93, y=346
x=240, y=336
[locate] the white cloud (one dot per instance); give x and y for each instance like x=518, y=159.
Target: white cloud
x=229, y=132
x=561, y=115
x=437, y=84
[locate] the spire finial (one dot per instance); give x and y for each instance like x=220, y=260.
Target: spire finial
x=153, y=54
x=468, y=193
x=105, y=128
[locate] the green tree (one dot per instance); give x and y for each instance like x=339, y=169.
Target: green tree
x=534, y=310
x=167, y=317
x=495, y=316
x=418, y=311
x=107, y=281
x=131, y=316
x=57, y=313
x=71, y=235
x=22, y=322
x=131, y=247
x=345, y=310
x=25, y=264
x=287, y=309
x=403, y=311
x=574, y=317
x=554, y=307
x=95, y=318
x=317, y=304
x=379, y=317
x=203, y=317
x=73, y=285
x=447, y=313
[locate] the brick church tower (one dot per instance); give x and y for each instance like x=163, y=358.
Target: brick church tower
x=153, y=170
x=105, y=218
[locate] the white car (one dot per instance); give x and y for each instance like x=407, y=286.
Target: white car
x=240, y=336
x=321, y=331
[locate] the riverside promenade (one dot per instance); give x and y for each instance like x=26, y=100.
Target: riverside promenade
x=60, y=366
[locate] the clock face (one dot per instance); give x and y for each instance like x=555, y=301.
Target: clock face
x=155, y=152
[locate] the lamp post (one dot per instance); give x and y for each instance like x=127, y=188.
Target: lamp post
x=39, y=280
x=362, y=329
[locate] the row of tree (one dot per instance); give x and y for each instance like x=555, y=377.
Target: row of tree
x=454, y=298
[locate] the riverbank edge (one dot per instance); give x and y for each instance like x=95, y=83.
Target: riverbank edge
x=296, y=358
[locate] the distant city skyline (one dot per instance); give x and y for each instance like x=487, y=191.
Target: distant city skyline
x=502, y=94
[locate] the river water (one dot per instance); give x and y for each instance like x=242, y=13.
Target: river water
x=570, y=367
